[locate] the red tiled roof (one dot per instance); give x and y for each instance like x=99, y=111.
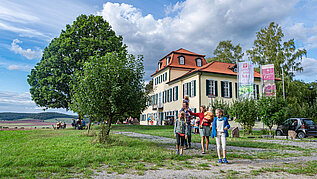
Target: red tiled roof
x=217, y=67
x=190, y=60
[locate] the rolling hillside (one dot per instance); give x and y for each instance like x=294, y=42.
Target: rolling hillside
x=8, y=116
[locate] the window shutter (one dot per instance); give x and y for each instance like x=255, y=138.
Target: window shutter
x=230, y=89
x=171, y=96
x=207, y=88
x=189, y=89
x=156, y=99
x=222, y=89
x=176, y=93
x=165, y=76
x=257, y=92
x=236, y=89
x=216, y=88
x=194, y=82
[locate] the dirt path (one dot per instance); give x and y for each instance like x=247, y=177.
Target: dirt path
x=242, y=168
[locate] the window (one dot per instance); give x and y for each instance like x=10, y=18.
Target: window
x=198, y=62
x=175, y=93
x=171, y=95
x=211, y=87
x=193, y=88
x=226, y=89
x=176, y=114
x=181, y=60
x=168, y=60
x=164, y=92
x=156, y=99
x=165, y=76
x=160, y=99
x=159, y=66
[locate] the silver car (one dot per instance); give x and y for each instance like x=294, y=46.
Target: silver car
x=304, y=127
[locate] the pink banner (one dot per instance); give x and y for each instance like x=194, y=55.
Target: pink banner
x=268, y=80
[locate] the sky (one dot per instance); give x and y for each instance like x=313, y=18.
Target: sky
x=149, y=28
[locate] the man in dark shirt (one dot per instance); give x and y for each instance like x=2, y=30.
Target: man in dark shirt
x=186, y=109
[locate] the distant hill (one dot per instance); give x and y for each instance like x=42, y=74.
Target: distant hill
x=10, y=116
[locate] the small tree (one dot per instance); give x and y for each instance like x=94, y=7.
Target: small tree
x=245, y=113
x=108, y=87
x=219, y=103
x=272, y=111
x=227, y=52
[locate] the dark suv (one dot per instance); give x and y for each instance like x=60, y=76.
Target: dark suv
x=302, y=126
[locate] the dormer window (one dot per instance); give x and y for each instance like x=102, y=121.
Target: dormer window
x=168, y=60
x=181, y=60
x=198, y=62
x=159, y=65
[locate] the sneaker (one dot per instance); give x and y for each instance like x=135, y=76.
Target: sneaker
x=177, y=152
x=225, y=160
x=186, y=147
x=220, y=161
x=203, y=152
x=190, y=146
x=181, y=154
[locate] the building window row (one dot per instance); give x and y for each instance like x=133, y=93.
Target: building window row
x=189, y=89
x=160, y=79
x=170, y=95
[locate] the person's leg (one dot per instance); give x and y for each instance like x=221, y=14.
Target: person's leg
x=203, y=143
x=178, y=142
x=182, y=144
x=223, y=141
x=207, y=143
x=189, y=136
x=218, y=146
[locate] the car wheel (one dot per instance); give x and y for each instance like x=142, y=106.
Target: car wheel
x=278, y=133
x=301, y=135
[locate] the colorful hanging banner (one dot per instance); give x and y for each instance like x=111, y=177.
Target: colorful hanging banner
x=245, y=79
x=268, y=80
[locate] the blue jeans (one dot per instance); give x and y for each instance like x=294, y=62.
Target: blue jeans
x=189, y=134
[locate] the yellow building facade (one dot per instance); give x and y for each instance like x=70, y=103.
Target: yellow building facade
x=181, y=73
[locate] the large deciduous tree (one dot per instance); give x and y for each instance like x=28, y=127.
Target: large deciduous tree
x=108, y=87
x=269, y=48
x=227, y=52
x=51, y=78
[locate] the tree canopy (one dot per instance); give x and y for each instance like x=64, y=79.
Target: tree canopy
x=108, y=87
x=269, y=48
x=227, y=52
x=51, y=78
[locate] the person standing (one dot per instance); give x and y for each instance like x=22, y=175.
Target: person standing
x=180, y=131
x=220, y=132
x=204, y=126
x=186, y=110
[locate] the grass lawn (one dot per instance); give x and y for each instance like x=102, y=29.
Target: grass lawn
x=168, y=131
x=69, y=153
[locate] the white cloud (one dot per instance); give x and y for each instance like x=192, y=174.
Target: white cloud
x=198, y=25
x=309, y=73
x=22, y=102
x=23, y=32
x=307, y=35
x=20, y=67
x=28, y=53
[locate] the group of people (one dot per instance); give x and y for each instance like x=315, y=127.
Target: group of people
x=60, y=125
x=78, y=124
x=208, y=125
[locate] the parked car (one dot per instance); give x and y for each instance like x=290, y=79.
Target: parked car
x=304, y=127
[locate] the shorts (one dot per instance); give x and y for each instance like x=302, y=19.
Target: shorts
x=204, y=131
x=180, y=139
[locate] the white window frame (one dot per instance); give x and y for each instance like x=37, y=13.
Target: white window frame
x=183, y=60
x=185, y=89
x=212, y=86
x=200, y=62
x=226, y=88
x=192, y=88
x=168, y=60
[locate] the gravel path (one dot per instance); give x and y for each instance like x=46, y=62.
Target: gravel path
x=236, y=167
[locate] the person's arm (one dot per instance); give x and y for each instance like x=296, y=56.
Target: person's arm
x=193, y=114
x=175, y=125
x=227, y=124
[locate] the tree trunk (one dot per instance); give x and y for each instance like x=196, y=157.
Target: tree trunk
x=109, y=124
x=89, y=125
x=243, y=129
x=270, y=130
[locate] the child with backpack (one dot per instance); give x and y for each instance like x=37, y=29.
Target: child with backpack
x=180, y=131
x=220, y=128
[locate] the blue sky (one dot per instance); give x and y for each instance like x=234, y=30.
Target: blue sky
x=151, y=28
